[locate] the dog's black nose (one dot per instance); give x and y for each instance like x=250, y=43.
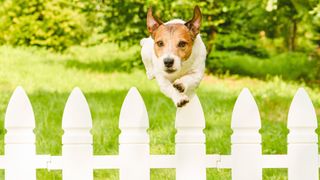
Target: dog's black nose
x=168, y=62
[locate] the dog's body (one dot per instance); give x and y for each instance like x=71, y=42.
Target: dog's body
x=183, y=69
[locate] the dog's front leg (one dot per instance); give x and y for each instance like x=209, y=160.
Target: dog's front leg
x=146, y=55
x=166, y=88
x=188, y=83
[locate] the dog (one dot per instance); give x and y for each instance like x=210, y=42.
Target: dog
x=175, y=55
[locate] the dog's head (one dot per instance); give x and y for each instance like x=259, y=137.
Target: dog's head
x=173, y=41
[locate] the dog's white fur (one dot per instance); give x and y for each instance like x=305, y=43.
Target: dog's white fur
x=189, y=74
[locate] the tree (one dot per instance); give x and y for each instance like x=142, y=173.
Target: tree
x=55, y=24
x=287, y=16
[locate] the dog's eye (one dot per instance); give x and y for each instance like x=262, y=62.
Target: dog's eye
x=182, y=44
x=160, y=43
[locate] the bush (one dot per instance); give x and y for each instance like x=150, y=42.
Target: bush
x=54, y=24
x=290, y=66
x=240, y=43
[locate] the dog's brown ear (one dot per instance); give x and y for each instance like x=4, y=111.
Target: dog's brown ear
x=152, y=22
x=195, y=22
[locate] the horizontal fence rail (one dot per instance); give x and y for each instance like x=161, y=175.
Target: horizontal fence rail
x=156, y=161
x=134, y=160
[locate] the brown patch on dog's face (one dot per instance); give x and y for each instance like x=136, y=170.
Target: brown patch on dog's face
x=173, y=42
x=173, y=38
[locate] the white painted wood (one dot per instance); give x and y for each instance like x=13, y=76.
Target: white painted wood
x=134, y=161
x=246, y=140
x=134, y=139
x=106, y=162
x=155, y=161
x=225, y=161
x=20, y=140
x=77, y=140
x=163, y=161
x=190, y=142
x=275, y=161
x=2, y=162
x=41, y=161
x=214, y=161
x=55, y=163
x=302, y=139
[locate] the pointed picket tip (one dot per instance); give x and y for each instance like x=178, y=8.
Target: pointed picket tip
x=191, y=115
x=133, y=112
x=302, y=113
x=76, y=112
x=19, y=112
x=245, y=112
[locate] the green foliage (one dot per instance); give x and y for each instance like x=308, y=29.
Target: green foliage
x=126, y=21
x=59, y=24
x=239, y=43
x=54, y=24
x=315, y=17
x=290, y=66
x=254, y=30
x=237, y=21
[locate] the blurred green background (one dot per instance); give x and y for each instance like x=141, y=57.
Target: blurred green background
x=51, y=46
x=247, y=37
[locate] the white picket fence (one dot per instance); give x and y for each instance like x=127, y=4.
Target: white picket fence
x=134, y=160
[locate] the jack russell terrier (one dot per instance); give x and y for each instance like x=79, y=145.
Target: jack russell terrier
x=175, y=55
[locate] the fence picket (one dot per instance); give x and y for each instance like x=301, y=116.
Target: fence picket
x=134, y=139
x=246, y=141
x=20, y=140
x=77, y=140
x=134, y=160
x=190, y=142
x=302, y=139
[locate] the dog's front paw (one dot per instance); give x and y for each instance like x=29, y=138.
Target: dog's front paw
x=179, y=86
x=183, y=101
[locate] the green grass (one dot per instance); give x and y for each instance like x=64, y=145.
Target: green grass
x=101, y=73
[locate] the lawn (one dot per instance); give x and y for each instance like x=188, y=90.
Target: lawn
x=103, y=76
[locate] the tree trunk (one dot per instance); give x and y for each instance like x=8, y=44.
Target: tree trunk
x=292, y=45
x=212, y=36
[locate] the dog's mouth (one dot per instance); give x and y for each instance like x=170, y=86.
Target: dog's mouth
x=169, y=71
